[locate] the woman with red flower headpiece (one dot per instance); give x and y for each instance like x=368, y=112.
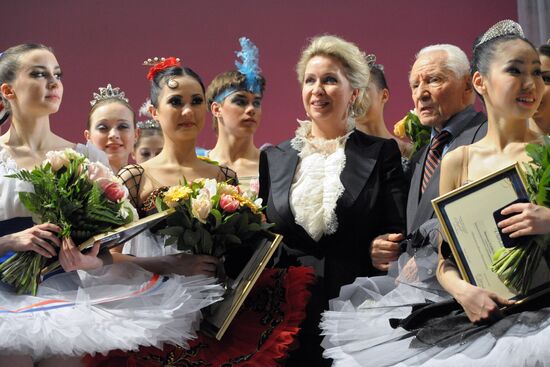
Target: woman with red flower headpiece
x=264, y=328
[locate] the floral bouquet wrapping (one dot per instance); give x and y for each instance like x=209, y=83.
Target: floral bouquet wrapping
x=211, y=217
x=81, y=197
x=410, y=127
x=516, y=266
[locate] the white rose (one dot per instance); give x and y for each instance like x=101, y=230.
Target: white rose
x=57, y=159
x=201, y=206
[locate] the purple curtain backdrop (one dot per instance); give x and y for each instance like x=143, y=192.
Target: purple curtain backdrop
x=105, y=41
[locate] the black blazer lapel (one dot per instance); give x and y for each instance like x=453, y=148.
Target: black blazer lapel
x=282, y=168
x=361, y=157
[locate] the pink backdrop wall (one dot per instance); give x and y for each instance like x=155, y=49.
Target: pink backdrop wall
x=104, y=41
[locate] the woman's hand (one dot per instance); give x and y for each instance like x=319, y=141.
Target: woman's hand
x=531, y=219
x=34, y=239
x=71, y=258
x=187, y=264
x=479, y=304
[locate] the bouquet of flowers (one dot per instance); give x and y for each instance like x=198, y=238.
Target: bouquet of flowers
x=211, y=217
x=81, y=197
x=516, y=266
x=410, y=126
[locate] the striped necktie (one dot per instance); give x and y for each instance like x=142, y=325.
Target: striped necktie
x=434, y=156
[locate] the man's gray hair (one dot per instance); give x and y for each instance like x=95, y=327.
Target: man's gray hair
x=457, y=61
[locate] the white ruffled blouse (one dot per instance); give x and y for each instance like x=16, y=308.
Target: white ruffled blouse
x=316, y=186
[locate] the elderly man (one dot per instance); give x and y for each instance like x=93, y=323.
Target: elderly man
x=443, y=99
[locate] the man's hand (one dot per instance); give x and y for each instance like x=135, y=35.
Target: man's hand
x=385, y=249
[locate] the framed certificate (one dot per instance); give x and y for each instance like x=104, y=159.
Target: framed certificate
x=222, y=313
x=468, y=222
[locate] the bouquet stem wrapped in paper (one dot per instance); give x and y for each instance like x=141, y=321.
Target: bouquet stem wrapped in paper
x=82, y=198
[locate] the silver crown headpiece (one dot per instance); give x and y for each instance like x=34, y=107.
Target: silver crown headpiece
x=148, y=124
x=371, y=60
x=144, y=111
x=502, y=28
x=108, y=92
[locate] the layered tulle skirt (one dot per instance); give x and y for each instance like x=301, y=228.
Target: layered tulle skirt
x=261, y=334
x=406, y=319
x=120, y=306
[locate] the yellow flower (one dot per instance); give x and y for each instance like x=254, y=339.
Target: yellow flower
x=247, y=202
x=224, y=188
x=176, y=193
x=399, y=128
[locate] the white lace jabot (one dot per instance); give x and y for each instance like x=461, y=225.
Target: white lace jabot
x=316, y=186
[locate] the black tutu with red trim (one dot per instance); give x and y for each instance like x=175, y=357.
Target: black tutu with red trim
x=261, y=335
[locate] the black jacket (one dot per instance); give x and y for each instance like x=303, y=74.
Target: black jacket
x=373, y=203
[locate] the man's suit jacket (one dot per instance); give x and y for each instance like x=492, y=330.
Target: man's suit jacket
x=373, y=203
x=419, y=207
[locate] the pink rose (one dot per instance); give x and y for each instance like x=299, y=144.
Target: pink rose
x=255, y=186
x=228, y=203
x=97, y=171
x=113, y=190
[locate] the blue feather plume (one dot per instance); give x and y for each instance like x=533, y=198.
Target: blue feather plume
x=249, y=67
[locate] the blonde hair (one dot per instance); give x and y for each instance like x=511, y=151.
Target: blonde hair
x=352, y=59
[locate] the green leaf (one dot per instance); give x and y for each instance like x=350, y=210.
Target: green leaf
x=218, y=216
x=172, y=231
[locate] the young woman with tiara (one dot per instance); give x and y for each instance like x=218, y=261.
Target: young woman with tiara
x=100, y=306
x=150, y=141
x=112, y=126
x=506, y=73
x=379, y=94
x=264, y=329
x=235, y=101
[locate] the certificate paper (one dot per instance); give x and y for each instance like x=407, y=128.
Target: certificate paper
x=474, y=226
x=466, y=217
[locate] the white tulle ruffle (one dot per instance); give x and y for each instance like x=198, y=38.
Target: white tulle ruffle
x=119, y=306
x=358, y=332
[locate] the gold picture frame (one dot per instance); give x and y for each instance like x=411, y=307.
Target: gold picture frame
x=222, y=313
x=468, y=224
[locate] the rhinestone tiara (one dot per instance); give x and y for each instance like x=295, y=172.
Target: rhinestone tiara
x=502, y=28
x=108, y=92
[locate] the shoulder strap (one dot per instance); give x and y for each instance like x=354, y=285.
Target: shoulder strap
x=465, y=159
x=229, y=175
x=131, y=176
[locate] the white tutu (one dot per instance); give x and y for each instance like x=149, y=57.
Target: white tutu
x=358, y=332
x=119, y=306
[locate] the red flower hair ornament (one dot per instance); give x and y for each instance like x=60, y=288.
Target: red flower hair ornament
x=158, y=64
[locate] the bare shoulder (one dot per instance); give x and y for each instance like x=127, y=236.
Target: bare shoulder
x=451, y=170
x=454, y=159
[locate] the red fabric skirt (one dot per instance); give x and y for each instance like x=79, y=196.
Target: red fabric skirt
x=261, y=335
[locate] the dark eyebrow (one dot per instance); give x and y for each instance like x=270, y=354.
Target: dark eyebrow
x=516, y=61
x=42, y=67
